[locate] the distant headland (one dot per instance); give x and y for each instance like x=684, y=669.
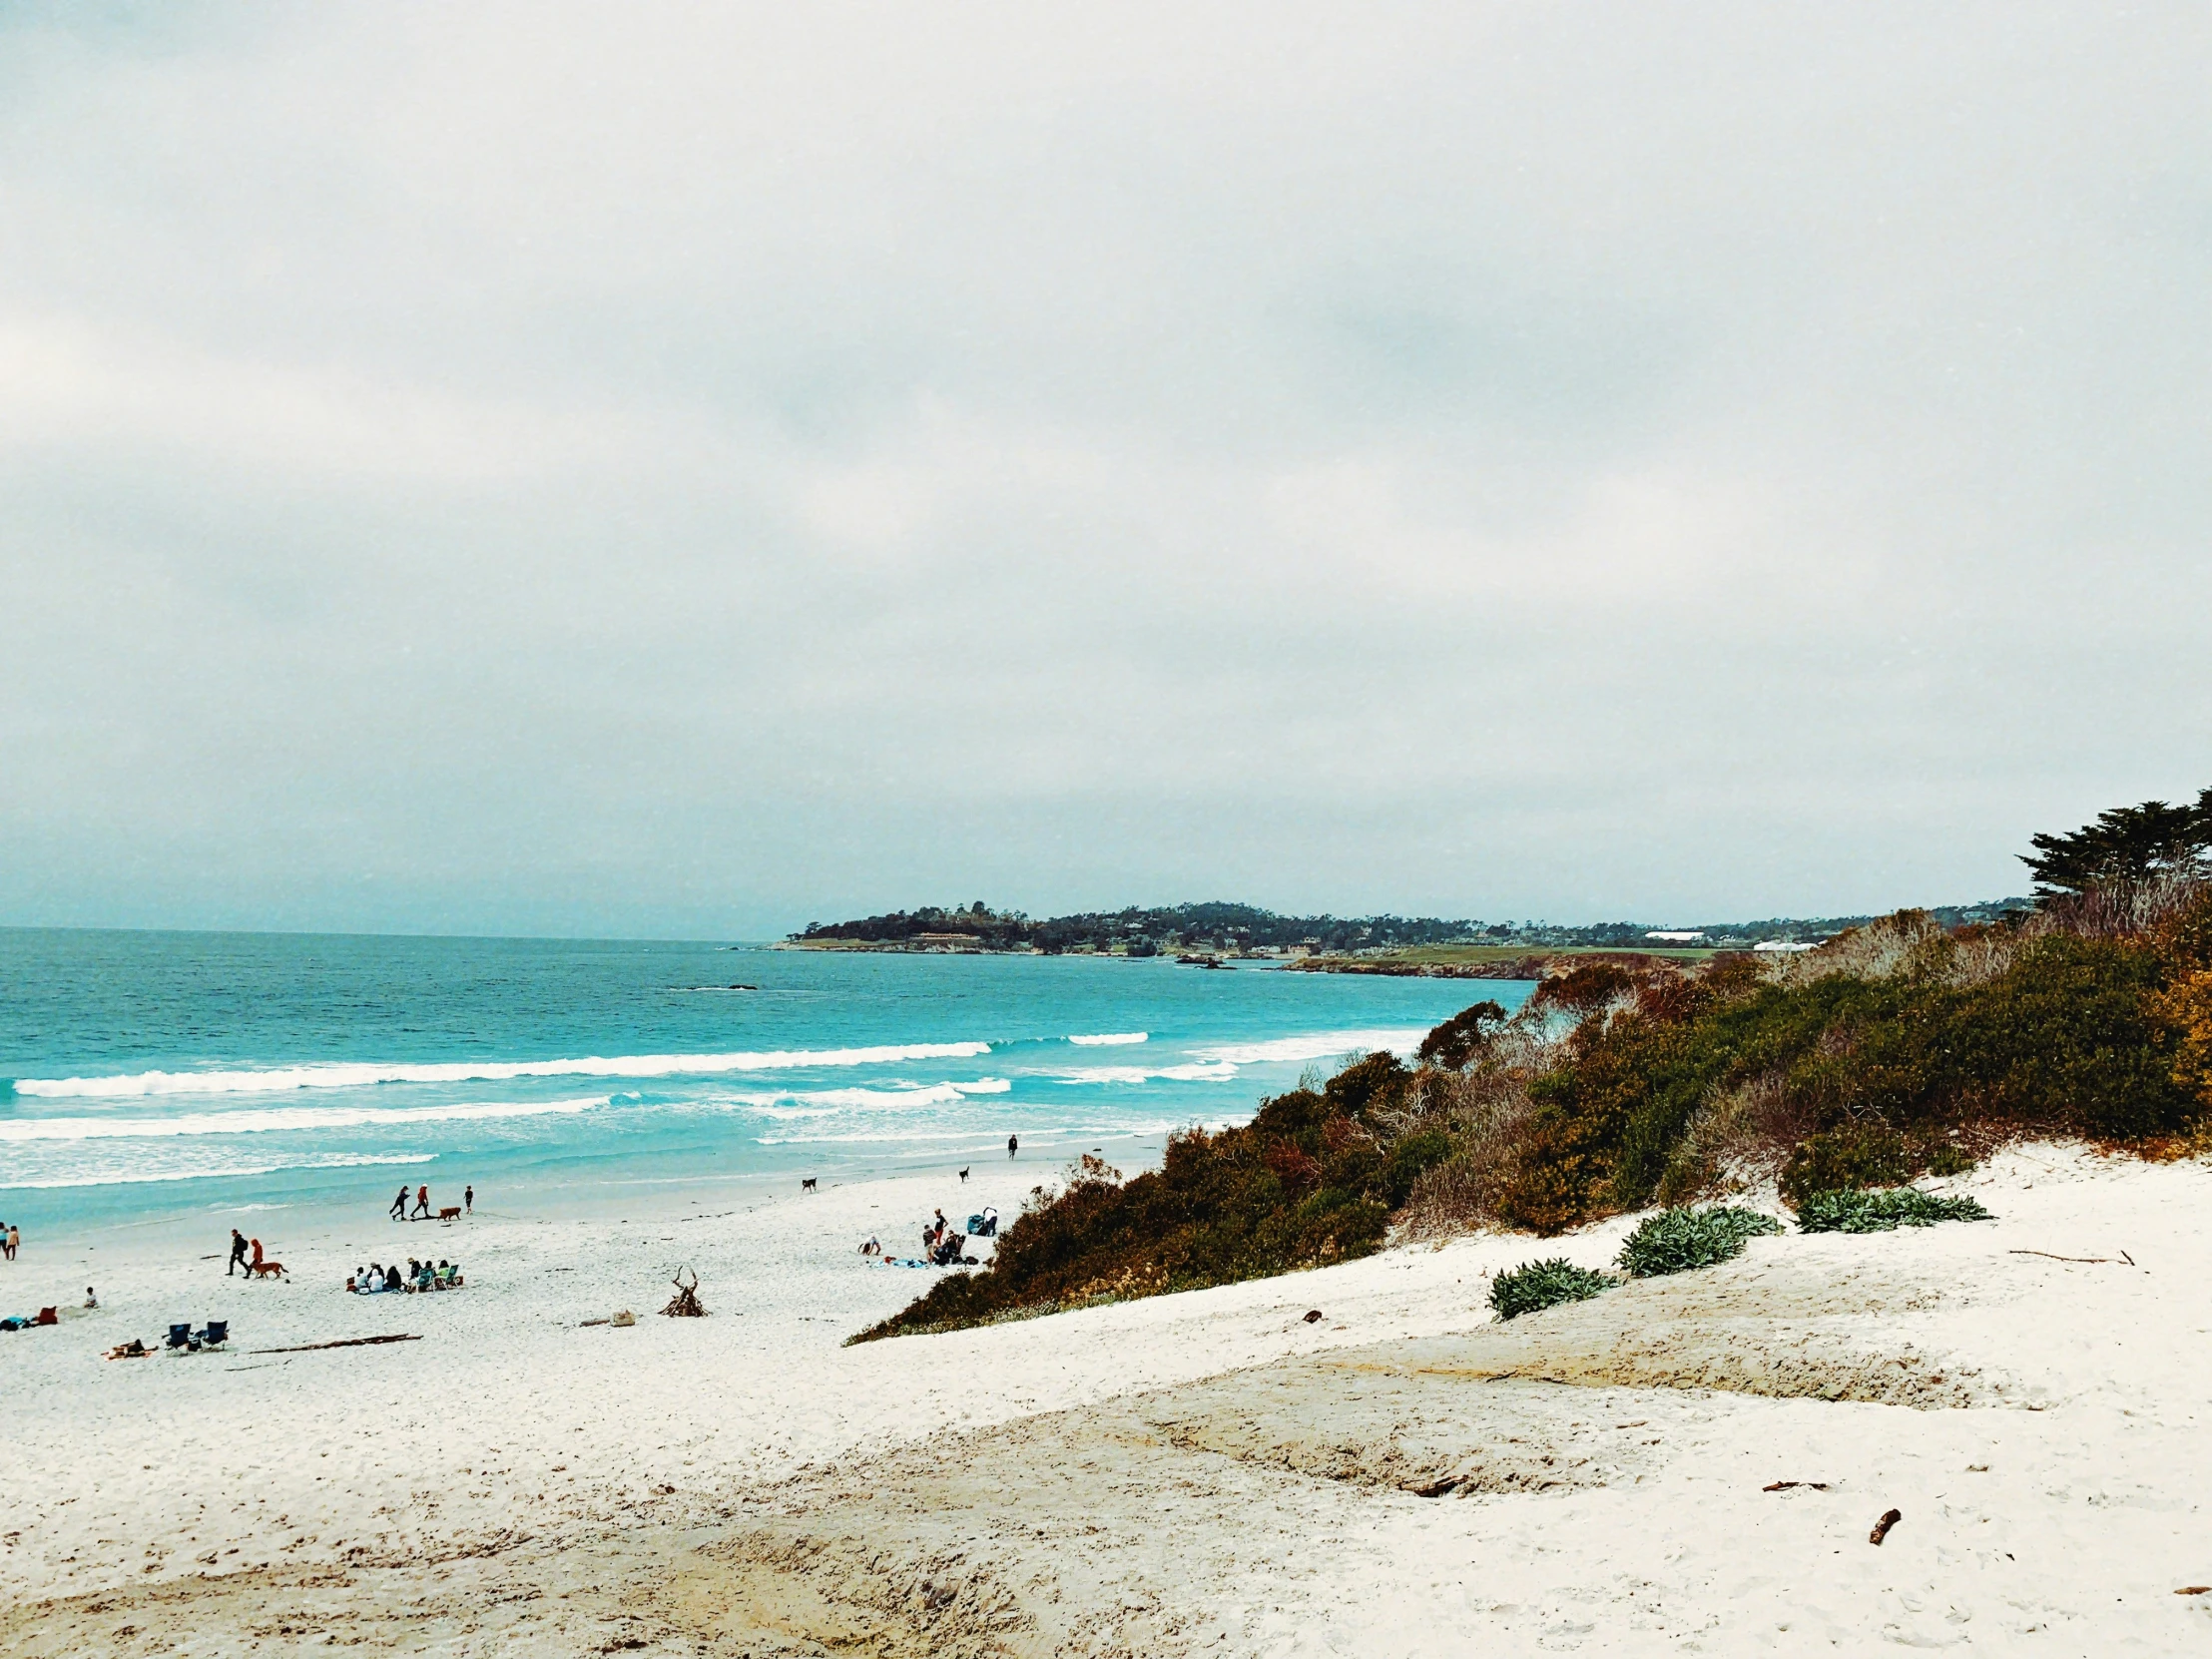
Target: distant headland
x=1221, y=933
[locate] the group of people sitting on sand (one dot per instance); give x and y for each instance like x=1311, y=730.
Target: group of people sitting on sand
x=942, y=1244
x=420, y=1275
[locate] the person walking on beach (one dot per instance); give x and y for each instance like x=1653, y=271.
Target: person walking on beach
x=469, y=1200
x=421, y=1203
x=9, y=1239
x=400, y=1206
x=1013, y=1145
x=238, y=1252
x=15, y=1242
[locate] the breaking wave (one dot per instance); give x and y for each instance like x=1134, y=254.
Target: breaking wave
x=1319, y=1045
x=341, y=1160
x=342, y=1074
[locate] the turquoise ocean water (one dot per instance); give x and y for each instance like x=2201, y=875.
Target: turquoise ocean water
x=144, y=1074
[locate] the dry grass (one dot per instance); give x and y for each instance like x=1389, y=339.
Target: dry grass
x=1483, y=1109
x=1737, y=1142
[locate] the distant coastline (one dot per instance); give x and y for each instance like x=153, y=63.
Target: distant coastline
x=1222, y=933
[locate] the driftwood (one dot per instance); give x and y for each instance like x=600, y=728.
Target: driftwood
x=1881, y=1526
x=685, y=1303
x=350, y=1342
x=1785, y=1486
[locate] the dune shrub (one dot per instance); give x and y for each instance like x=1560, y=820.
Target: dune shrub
x=1675, y=1240
x=1456, y=1044
x=1919, y=1055
x=1882, y=1211
x=1535, y=1285
x=1311, y=1180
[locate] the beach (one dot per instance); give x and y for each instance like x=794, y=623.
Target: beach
x=1205, y=1472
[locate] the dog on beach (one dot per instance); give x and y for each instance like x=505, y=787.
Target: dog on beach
x=963, y=1175
x=452, y=1212
x=808, y=1184
x=266, y=1270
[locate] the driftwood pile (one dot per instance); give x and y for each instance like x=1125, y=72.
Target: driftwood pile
x=685, y=1303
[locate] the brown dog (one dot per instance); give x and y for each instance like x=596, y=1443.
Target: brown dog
x=266, y=1270
x=452, y=1212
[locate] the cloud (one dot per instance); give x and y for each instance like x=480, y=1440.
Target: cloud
x=698, y=470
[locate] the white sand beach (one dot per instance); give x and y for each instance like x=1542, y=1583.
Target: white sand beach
x=1205, y=1472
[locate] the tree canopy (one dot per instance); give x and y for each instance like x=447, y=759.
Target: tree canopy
x=2125, y=846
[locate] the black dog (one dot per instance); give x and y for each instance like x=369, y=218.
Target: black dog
x=808, y=1184
x=963, y=1175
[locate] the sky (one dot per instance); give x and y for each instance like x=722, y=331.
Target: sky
x=697, y=470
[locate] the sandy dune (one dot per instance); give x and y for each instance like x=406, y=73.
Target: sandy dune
x=1209, y=1473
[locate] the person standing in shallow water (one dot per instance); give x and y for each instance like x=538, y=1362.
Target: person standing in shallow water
x=1013, y=1145
x=468, y=1199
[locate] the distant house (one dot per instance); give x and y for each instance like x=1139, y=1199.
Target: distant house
x=1665, y=937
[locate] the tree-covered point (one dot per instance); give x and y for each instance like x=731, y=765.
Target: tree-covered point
x=1217, y=925
x=1221, y=927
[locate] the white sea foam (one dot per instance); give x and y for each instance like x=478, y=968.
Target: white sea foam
x=342, y=1074
x=1318, y=1045
x=1196, y=1071
x=1111, y=1039
x=342, y=1160
x=279, y=1119
x=299, y=1119
x=870, y=1137
x=831, y=1100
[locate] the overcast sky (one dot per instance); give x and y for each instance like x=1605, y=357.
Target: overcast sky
x=662, y=470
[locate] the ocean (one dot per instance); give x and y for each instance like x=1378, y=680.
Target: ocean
x=144, y=1074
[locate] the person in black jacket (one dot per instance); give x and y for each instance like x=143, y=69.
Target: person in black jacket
x=238, y=1252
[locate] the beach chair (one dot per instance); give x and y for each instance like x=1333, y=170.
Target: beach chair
x=217, y=1334
x=180, y=1340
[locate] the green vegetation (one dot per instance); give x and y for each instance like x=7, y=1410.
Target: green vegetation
x=1882, y=1211
x=1675, y=1240
x=1535, y=1285
x=1833, y=1077
x=1898, y=1050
